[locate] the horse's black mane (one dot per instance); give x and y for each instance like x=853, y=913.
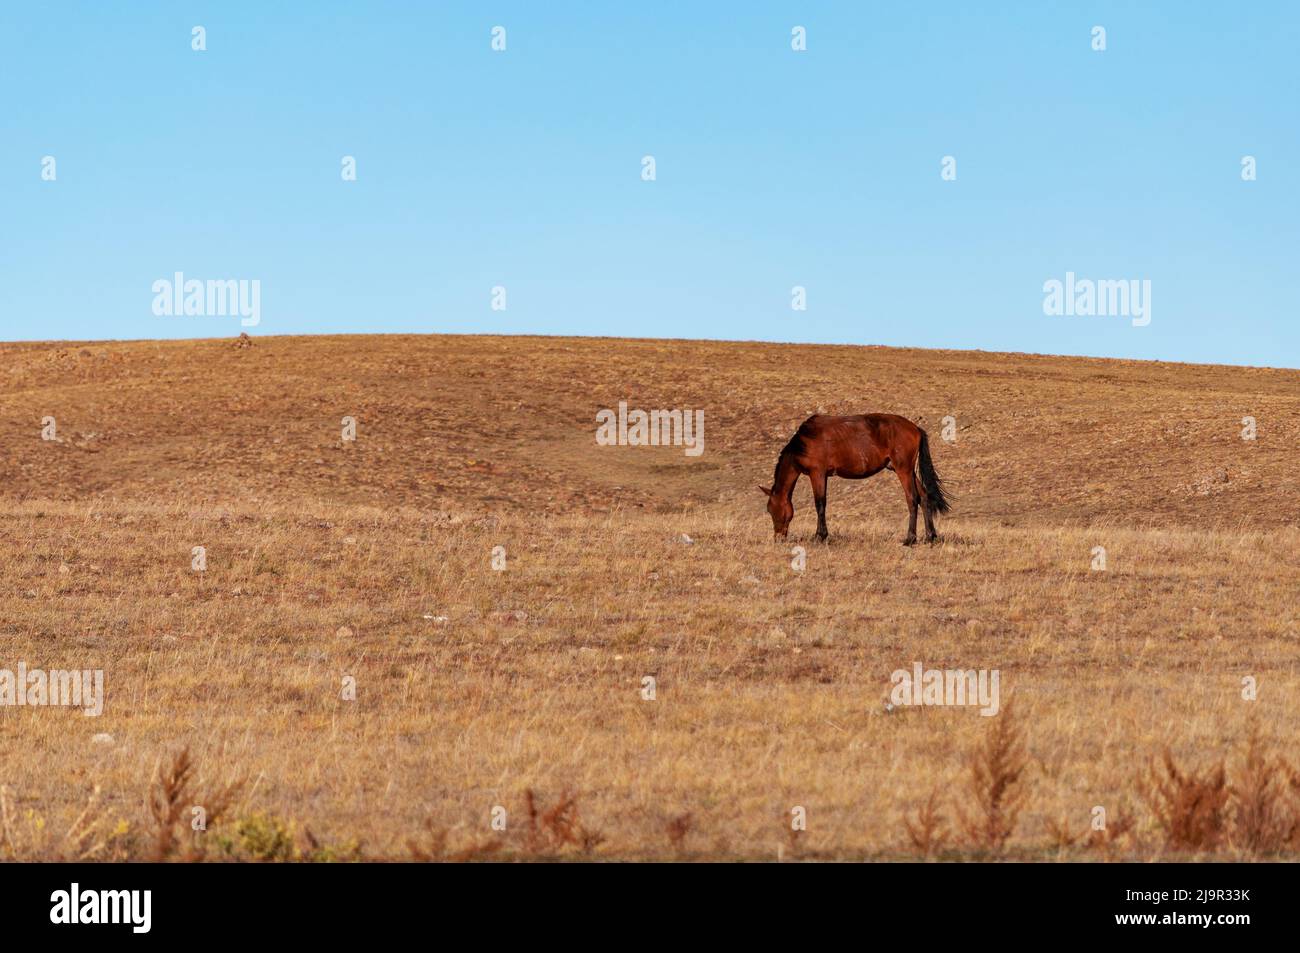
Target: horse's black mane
x=795, y=448
x=797, y=445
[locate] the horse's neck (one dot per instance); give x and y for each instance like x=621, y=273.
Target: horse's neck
x=786, y=477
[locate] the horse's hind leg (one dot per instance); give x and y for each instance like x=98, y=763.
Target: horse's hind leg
x=931, y=534
x=907, y=477
x=818, y=480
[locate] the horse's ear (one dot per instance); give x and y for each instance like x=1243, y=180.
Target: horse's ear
x=766, y=491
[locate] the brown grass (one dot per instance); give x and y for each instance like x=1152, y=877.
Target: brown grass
x=371, y=561
x=91, y=835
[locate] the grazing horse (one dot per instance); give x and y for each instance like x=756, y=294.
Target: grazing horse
x=856, y=448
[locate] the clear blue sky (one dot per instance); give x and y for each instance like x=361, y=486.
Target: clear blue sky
x=774, y=169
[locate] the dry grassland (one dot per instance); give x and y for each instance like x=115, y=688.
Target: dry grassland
x=523, y=688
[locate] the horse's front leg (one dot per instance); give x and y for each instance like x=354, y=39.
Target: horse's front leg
x=818, y=480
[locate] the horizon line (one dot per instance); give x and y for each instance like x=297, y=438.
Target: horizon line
x=71, y=342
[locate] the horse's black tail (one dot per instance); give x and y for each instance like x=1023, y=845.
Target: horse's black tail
x=930, y=478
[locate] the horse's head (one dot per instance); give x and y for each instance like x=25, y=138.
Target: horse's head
x=780, y=509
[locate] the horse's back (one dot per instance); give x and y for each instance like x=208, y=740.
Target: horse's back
x=884, y=427
x=852, y=446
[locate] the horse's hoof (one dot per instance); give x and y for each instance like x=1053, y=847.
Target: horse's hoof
x=932, y=540
x=910, y=541
x=821, y=538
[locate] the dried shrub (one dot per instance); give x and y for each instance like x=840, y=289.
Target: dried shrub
x=551, y=829
x=1190, y=807
x=677, y=828
x=1063, y=836
x=170, y=799
x=548, y=830
x=1118, y=834
x=927, y=831
x=1263, y=819
x=996, y=785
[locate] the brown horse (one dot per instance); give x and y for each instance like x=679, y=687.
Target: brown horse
x=856, y=448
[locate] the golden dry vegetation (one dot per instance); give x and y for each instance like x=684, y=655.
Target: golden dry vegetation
x=523, y=688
